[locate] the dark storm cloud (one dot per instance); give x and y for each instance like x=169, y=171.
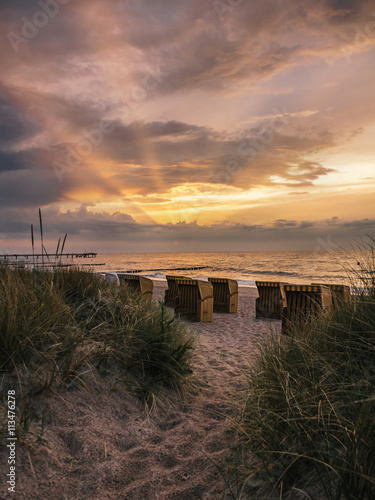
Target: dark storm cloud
x=23, y=160
x=102, y=223
x=233, y=53
x=76, y=114
x=169, y=141
x=123, y=224
x=27, y=179
x=362, y=224
x=142, y=132
x=159, y=129
x=352, y=6
x=81, y=67
x=15, y=124
x=187, y=36
x=179, y=152
x=154, y=157
x=28, y=189
x=121, y=229
x=283, y=223
x=160, y=179
x=11, y=9
x=158, y=156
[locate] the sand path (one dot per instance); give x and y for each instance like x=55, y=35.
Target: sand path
x=102, y=447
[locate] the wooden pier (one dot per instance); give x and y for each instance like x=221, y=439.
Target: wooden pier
x=16, y=256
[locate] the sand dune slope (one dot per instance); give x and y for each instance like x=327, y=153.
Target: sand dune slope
x=100, y=445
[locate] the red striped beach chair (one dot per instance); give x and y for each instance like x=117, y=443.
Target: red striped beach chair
x=171, y=294
x=303, y=303
x=225, y=294
x=271, y=300
x=195, y=300
x=137, y=284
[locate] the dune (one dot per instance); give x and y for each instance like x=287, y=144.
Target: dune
x=101, y=444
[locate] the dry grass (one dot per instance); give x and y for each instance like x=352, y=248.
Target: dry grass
x=309, y=413
x=63, y=329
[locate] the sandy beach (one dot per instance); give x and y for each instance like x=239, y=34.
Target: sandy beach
x=102, y=445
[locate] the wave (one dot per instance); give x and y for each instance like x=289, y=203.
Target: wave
x=273, y=273
x=245, y=267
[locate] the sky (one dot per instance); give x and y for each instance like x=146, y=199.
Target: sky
x=191, y=125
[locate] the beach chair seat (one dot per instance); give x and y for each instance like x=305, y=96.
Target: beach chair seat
x=340, y=293
x=225, y=293
x=137, y=284
x=304, y=302
x=196, y=300
x=171, y=294
x=271, y=301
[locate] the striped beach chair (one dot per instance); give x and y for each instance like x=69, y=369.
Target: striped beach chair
x=225, y=294
x=303, y=303
x=271, y=300
x=195, y=300
x=171, y=294
x=340, y=293
x=137, y=284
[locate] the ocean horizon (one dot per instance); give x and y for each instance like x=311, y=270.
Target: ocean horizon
x=302, y=266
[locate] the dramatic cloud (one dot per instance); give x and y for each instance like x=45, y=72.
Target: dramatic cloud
x=240, y=116
x=121, y=232
x=15, y=124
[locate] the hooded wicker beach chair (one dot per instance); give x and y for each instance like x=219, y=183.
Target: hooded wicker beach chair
x=171, y=294
x=196, y=300
x=225, y=294
x=340, y=293
x=304, y=302
x=137, y=284
x=271, y=300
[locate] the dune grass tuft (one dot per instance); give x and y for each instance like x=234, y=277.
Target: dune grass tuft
x=58, y=329
x=309, y=414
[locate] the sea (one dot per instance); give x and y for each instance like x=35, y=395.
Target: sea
x=304, y=267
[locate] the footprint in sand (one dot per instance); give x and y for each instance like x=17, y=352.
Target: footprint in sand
x=73, y=442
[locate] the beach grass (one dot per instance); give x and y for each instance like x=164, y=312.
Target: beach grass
x=63, y=329
x=309, y=410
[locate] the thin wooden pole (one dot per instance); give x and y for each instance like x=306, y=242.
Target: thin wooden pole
x=45, y=251
x=57, y=249
x=41, y=234
x=63, y=245
x=32, y=243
